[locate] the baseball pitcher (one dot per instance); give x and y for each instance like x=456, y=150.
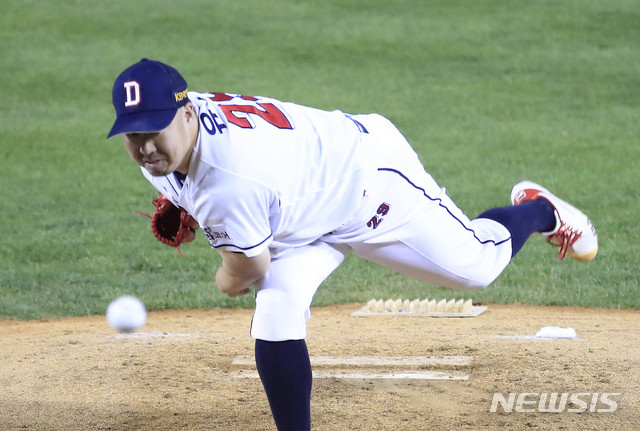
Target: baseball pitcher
x=285, y=192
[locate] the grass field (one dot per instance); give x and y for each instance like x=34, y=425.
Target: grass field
x=488, y=92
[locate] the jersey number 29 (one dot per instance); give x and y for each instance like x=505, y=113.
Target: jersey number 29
x=240, y=115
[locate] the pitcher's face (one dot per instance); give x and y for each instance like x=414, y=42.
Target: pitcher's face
x=168, y=150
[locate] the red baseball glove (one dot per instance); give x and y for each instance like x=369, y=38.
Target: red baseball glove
x=171, y=225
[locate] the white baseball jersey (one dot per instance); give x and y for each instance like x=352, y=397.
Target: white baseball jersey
x=314, y=186
x=265, y=173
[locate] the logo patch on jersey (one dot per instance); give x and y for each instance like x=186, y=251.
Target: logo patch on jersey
x=216, y=233
x=132, y=88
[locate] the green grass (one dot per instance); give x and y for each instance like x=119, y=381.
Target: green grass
x=488, y=92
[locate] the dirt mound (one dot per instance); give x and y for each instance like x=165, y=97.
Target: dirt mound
x=192, y=370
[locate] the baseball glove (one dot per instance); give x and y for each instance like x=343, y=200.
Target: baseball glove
x=171, y=225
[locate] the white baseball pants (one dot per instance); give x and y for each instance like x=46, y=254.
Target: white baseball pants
x=406, y=222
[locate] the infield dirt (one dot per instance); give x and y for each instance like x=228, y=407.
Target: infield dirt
x=179, y=373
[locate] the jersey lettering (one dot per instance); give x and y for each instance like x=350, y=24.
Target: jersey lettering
x=374, y=222
x=382, y=211
x=211, y=123
x=220, y=97
x=224, y=97
x=241, y=115
x=267, y=111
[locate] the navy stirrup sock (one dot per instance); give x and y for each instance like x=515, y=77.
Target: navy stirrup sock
x=523, y=220
x=285, y=370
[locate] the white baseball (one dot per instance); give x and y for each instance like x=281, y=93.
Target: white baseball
x=126, y=313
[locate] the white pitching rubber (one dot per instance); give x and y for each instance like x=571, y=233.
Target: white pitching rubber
x=420, y=306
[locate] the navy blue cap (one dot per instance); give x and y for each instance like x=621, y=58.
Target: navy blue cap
x=146, y=97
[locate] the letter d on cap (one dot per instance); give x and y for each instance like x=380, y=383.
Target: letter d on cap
x=132, y=89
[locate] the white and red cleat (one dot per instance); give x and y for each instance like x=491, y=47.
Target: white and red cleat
x=574, y=233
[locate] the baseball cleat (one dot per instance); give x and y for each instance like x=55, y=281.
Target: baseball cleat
x=574, y=233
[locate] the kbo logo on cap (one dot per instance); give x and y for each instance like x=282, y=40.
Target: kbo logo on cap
x=132, y=88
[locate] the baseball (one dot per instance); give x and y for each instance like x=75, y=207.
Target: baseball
x=126, y=313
